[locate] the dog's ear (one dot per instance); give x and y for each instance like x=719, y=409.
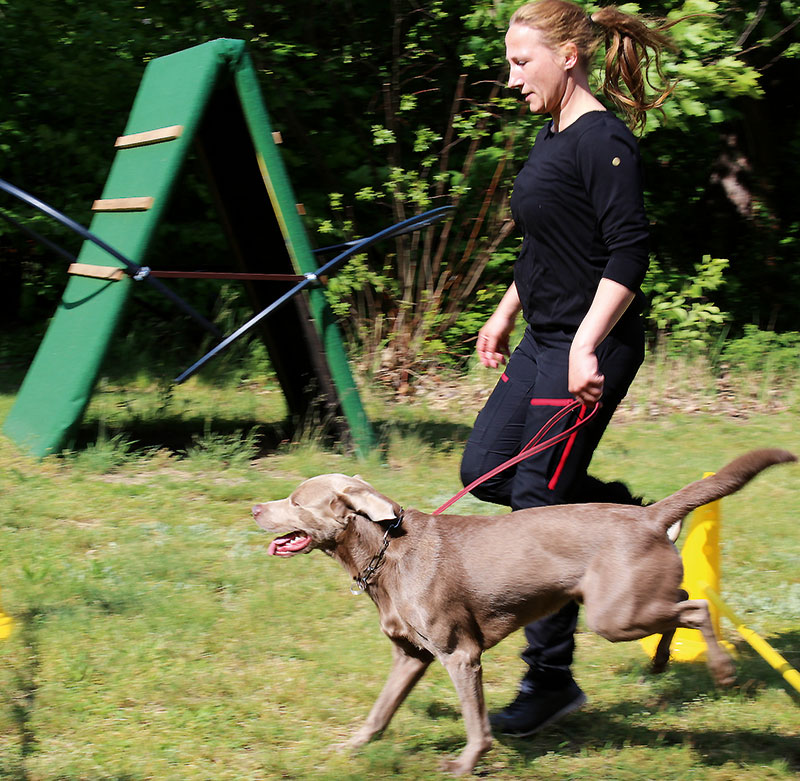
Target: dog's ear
x=365, y=500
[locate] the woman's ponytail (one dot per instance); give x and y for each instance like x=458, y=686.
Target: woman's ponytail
x=633, y=48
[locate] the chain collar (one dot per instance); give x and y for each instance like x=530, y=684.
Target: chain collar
x=362, y=580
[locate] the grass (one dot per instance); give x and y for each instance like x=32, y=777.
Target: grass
x=154, y=639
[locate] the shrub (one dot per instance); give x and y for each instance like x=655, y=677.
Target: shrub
x=681, y=311
x=764, y=351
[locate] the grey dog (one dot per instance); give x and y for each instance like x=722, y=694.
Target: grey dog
x=449, y=586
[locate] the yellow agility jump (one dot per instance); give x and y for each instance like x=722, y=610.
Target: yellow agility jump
x=702, y=575
x=769, y=654
x=6, y=625
x=701, y=565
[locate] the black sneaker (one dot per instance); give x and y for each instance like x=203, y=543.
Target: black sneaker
x=535, y=708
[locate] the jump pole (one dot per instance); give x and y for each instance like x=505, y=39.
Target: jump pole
x=701, y=568
x=6, y=625
x=701, y=557
x=761, y=646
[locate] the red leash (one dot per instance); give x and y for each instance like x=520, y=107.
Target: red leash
x=533, y=447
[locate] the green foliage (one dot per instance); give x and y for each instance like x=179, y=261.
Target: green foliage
x=106, y=455
x=212, y=450
x=680, y=309
x=720, y=163
x=394, y=108
x=408, y=305
x=764, y=351
x=708, y=73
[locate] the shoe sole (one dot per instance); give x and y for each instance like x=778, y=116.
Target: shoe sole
x=578, y=702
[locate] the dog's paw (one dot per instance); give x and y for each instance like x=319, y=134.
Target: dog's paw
x=351, y=744
x=725, y=675
x=659, y=665
x=456, y=767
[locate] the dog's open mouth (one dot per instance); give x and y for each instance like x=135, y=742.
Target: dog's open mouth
x=289, y=544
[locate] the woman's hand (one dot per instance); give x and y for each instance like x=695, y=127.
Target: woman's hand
x=492, y=346
x=585, y=381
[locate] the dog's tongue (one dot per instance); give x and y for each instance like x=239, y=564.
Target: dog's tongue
x=288, y=545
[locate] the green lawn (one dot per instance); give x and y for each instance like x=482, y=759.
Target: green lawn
x=154, y=639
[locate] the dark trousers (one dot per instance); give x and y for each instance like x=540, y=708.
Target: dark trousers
x=530, y=391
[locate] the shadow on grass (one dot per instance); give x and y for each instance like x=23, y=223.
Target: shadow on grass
x=179, y=433
x=595, y=729
x=440, y=435
x=607, y=729
x=23, y=705
x=603, y=731
x=612, y=727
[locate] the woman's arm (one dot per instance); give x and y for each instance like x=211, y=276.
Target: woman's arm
x=492, y=344
x=610, y=302
x=610, y=165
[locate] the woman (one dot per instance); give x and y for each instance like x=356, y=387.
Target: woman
x=578, y=202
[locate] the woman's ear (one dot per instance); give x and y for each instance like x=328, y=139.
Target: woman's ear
x=569, y=52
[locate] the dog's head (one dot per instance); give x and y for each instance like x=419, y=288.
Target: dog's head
x=318, y=510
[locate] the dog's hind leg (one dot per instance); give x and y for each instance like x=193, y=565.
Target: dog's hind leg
x=694, y=614
x=661, y=656
x=464, y=667
x=665, y=617
x=409, y=666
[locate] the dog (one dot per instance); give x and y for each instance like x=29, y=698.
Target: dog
x=448, y=587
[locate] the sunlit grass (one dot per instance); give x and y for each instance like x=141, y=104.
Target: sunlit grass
x=155, y=639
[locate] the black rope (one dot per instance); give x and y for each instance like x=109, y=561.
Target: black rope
x=406, y=226
x=352, y=242
x=140, y=273
x=132, y=269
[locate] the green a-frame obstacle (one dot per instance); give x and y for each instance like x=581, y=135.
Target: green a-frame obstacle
x=207, y=95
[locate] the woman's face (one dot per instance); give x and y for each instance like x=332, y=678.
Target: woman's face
x=539, y=72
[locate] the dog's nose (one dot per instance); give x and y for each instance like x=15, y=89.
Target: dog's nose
x=257, y=508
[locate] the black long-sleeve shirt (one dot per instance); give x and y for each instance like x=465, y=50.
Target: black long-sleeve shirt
x=578, y=201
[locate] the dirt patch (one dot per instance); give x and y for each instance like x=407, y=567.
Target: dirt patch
x=657, y=391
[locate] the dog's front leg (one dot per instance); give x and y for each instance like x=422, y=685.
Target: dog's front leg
x=465, y=671
x=409, y=666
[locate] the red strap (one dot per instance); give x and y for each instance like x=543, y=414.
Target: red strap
x=533, y=447
x=565, y=455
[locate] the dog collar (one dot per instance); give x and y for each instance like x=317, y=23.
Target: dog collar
x=362, y=581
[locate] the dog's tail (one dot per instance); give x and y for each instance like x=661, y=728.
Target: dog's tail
x=728, y=480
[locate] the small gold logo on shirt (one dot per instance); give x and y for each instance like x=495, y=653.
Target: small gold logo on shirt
x=616, y=161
